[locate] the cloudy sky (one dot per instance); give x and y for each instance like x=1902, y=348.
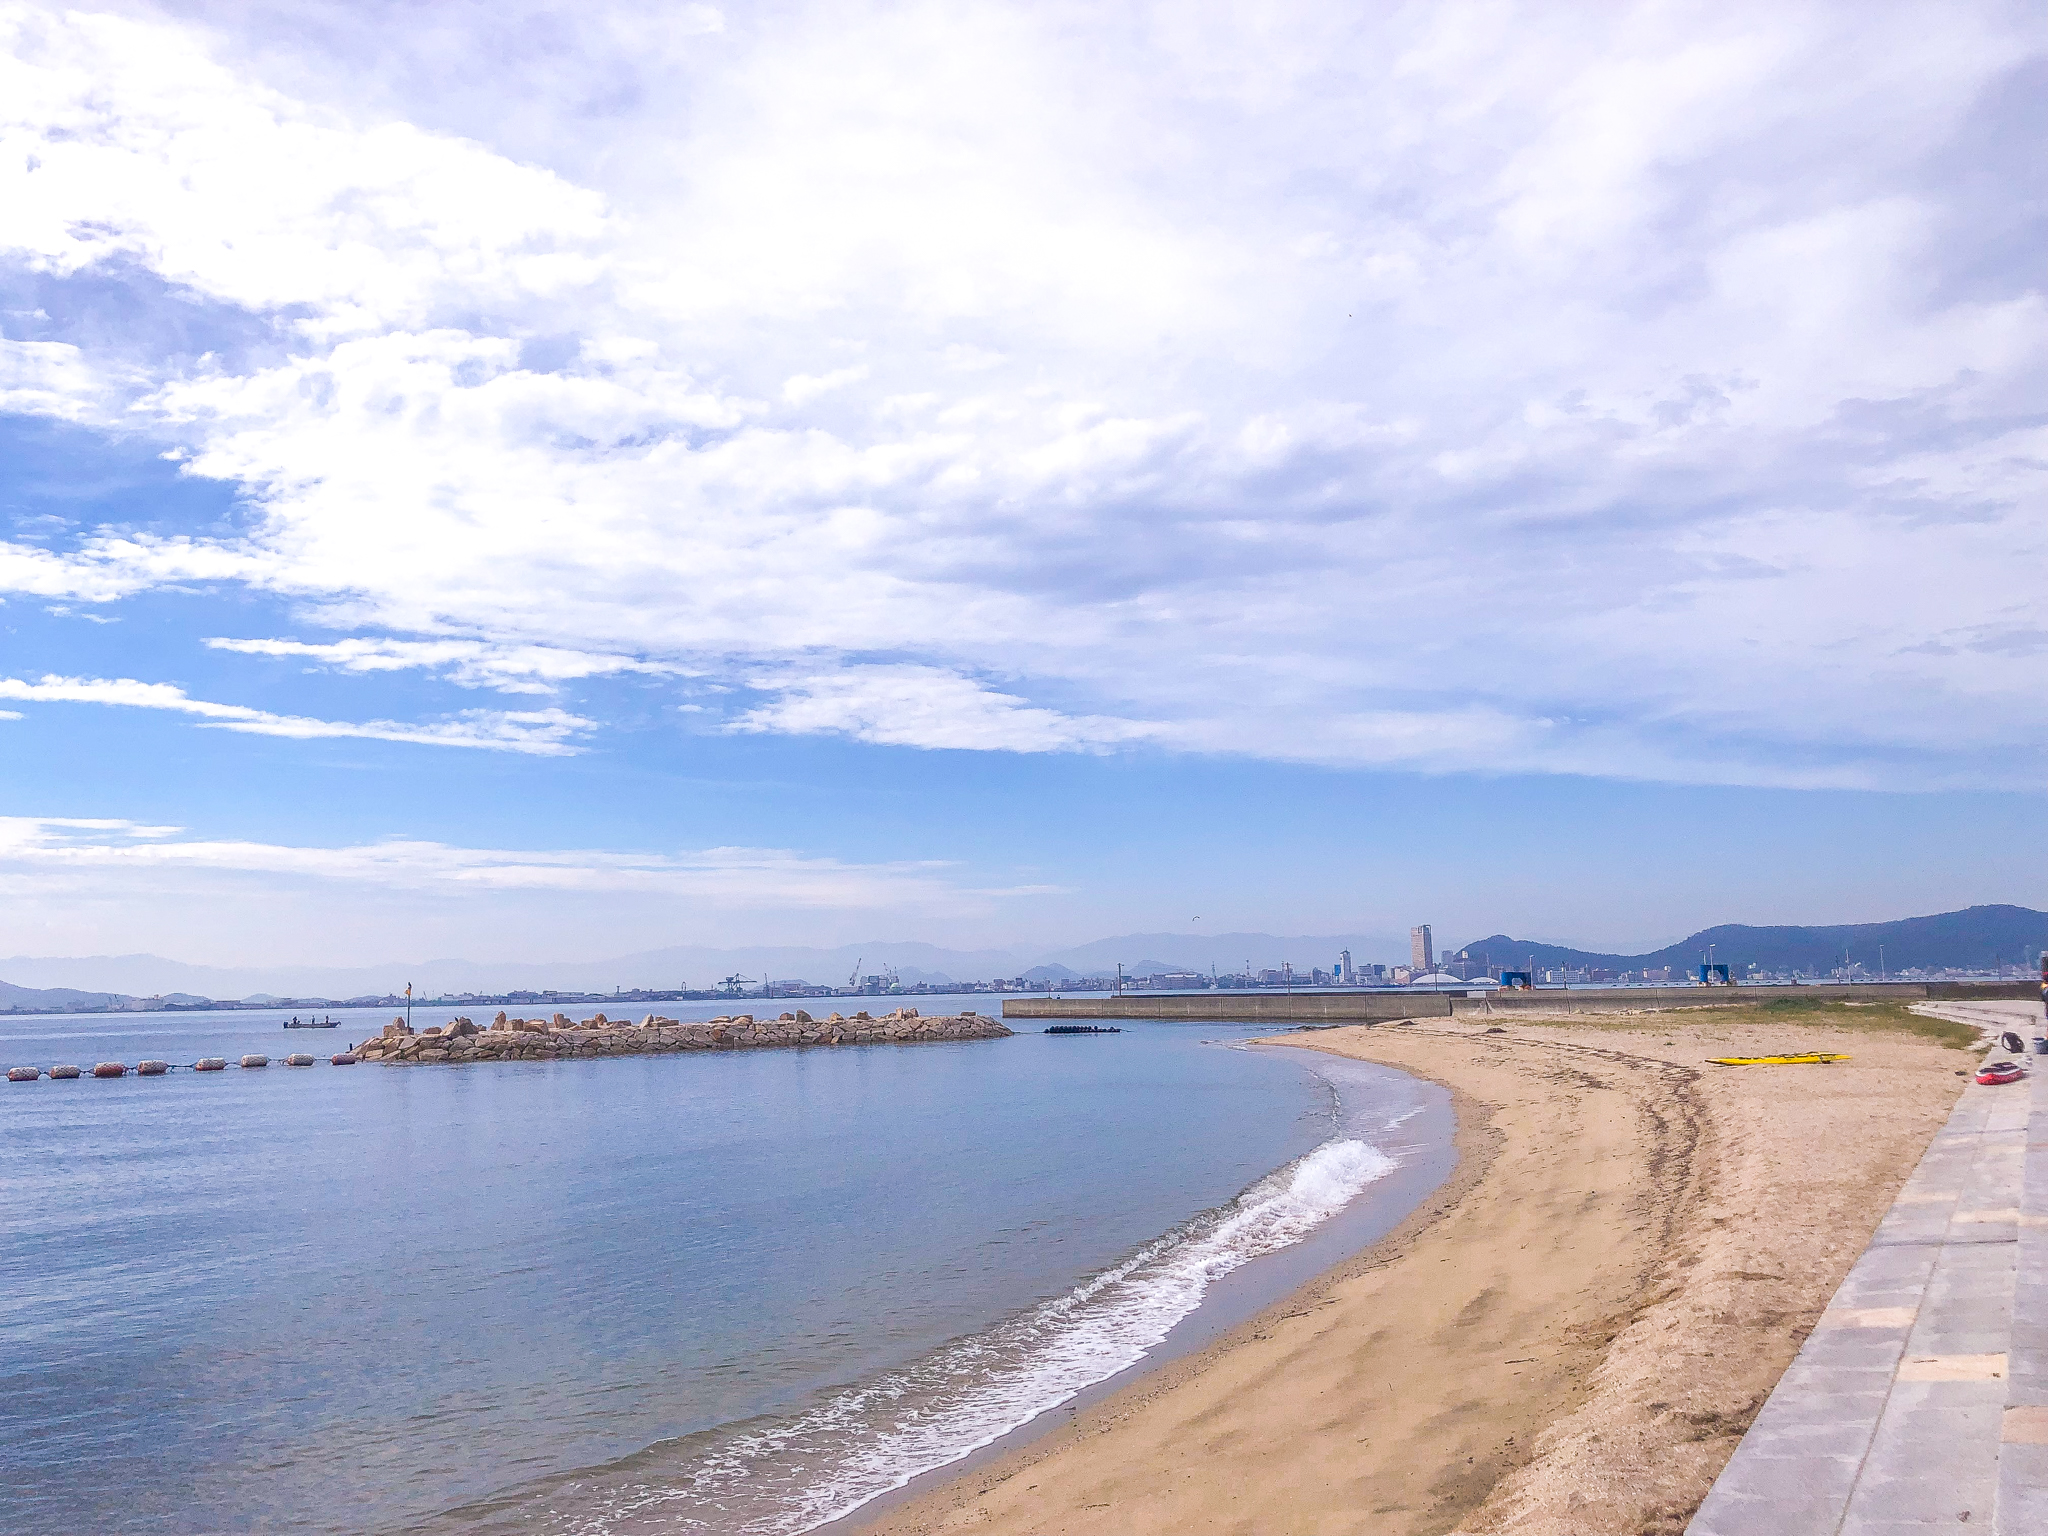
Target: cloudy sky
x=514, y=480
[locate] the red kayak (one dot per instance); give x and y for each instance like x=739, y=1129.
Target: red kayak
x=2001, y=1072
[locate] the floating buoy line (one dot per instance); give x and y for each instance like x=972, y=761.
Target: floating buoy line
x=251, y=1062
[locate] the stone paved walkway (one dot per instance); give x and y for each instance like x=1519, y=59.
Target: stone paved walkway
x=1920, y=1400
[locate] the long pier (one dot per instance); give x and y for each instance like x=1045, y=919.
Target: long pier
x=1326, y=1006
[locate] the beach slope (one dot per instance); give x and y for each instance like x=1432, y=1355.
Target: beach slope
x=1570, y=1336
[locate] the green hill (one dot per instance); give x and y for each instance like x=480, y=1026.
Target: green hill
x=1973, y=938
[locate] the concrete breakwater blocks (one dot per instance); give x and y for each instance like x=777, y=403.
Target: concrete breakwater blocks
x=508, y=1039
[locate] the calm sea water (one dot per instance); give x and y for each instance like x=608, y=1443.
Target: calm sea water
x=735, y=1292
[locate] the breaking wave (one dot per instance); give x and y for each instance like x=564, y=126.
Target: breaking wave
x=793, y=1475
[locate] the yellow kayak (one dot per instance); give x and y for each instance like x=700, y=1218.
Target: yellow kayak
x=1803, y=1059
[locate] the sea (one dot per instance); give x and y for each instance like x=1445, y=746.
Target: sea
x=733, y=1292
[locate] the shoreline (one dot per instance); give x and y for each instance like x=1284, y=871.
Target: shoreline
x=1569, y=1336
x=1427, y=1159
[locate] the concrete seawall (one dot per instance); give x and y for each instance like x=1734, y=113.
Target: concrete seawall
x=1252, y=1007
x=1368, y=1007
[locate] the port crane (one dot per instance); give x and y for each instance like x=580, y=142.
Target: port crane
x=856, y=983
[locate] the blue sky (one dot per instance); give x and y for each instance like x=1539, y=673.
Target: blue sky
x=501, y=482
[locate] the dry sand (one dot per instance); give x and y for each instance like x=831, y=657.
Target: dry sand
x=1569, y=1337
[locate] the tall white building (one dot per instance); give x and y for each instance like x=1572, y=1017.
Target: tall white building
x=1345, y=974
x=1421, y=952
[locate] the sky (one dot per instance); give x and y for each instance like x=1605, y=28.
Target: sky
x=550, y=482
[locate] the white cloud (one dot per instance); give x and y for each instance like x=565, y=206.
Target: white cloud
x=127, y=140
x=806, y=387
x=772, y=877
x=916, y=706
x=547, y=732
x=964, y=357
x=470, y=663
x=1639, y=393
x=50, y=378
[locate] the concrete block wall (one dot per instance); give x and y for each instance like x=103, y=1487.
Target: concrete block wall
x=1249, y=1007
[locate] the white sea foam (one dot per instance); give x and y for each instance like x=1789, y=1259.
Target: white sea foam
x=866, y=1441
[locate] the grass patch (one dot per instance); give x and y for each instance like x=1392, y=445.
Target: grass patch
x=1867, y=1017
x=1788, y=1012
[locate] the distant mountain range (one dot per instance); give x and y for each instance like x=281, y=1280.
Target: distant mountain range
x=55, y=997
x=1975, y=937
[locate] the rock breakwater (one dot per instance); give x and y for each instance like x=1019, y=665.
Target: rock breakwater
x=509, y=1039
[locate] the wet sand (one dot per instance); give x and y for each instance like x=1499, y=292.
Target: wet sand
x=1569, y=1337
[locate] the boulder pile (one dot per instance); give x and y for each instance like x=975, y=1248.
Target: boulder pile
x=510, y=1039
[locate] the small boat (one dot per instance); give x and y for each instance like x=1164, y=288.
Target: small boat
x=1800, y=1059
x=210, y=1064
x=1082, y=1029
x=2001, y=1072
x=295, y=1022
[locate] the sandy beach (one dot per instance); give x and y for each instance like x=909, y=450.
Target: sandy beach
x=1569, y=1337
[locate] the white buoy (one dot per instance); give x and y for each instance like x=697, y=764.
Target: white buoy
x=210, y=1064
x=152, y=1068
x=255, y=1061
x=298, y=1059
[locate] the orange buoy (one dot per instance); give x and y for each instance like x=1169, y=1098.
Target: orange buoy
x=210, y=1064
x=152, y=1068
x=66, y=1072
x=255, y=1061
x=344, y=1058
x=110, y=1069
x=23, y=1074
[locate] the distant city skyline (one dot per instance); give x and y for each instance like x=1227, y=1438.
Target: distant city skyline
x=1977, y=940
x=497, y=482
